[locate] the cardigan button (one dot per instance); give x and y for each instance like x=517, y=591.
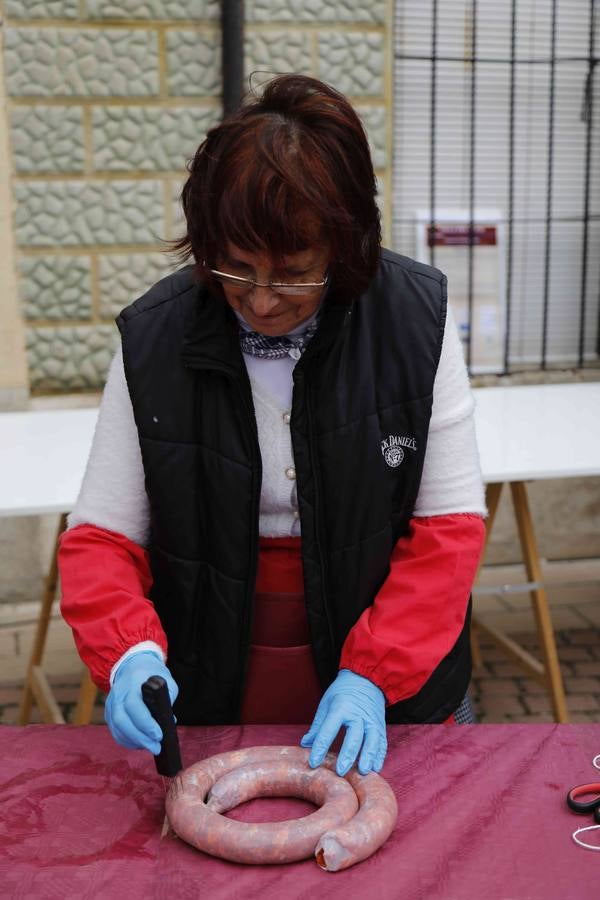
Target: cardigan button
x=287, y=418
x=290, y=473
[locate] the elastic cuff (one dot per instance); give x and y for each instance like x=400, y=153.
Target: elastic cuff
x=142, y=647
x=365, y=673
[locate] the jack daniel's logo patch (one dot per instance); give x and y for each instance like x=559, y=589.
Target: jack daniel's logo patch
x=392, y=448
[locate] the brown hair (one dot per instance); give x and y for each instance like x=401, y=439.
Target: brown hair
x=290, y=169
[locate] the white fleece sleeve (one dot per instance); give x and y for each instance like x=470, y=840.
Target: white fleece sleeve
x=113, y=495
x=451, y=481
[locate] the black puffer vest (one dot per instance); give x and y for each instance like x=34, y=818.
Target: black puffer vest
x=360, y=416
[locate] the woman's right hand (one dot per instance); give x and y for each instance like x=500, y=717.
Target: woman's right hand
x=127, y=716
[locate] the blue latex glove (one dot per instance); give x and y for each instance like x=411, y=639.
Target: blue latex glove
x=357, y=703
x=125, y=712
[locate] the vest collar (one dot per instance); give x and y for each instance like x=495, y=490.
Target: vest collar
x=211, y=336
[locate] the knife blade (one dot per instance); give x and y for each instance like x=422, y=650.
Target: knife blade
x=168, y=762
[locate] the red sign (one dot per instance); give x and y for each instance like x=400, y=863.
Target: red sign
x=461, y=235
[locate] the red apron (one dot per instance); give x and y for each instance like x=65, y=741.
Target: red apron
x=281, y=682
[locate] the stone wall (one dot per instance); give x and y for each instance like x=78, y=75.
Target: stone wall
x=106, y=101
x=14, y=384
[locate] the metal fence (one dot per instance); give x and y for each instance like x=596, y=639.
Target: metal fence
x=496, y=171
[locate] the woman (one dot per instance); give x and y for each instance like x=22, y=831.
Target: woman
x=282, y=510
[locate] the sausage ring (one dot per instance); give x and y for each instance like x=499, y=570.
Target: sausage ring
x=357, y=813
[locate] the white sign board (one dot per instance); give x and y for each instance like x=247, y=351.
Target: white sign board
x=450, y=238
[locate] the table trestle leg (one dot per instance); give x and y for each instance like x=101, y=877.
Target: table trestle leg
x=85, y=699
x=31, y=679
x=492, y=499
x=546, y=672
x=539, y=601
x=42, y=692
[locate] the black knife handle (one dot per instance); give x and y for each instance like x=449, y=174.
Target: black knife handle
x=156, y=697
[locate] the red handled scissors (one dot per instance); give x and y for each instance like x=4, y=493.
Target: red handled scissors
x=589, y=805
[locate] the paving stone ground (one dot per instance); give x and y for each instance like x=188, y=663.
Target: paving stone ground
x=500, y=691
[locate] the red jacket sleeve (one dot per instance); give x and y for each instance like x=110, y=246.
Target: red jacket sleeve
x=105, y=579
x=420, y=610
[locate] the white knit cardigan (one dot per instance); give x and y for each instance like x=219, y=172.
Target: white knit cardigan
x=113, y=496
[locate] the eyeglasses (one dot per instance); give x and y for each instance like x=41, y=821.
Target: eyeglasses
x=289, y=290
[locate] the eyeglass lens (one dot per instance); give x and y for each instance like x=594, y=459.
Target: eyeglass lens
x=288, y=289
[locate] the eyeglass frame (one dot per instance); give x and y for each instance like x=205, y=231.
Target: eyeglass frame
x=297, y=288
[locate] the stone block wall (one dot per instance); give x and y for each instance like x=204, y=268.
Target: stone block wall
x=105, y=102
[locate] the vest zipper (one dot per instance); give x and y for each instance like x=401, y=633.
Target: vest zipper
x=242, y=383
x=245, y=391
x=318, y=529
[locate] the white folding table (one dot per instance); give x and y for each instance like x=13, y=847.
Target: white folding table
x=531, y=433
x=42, y=459
x=524, y=433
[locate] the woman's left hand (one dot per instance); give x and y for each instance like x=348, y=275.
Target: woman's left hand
x=359, y=705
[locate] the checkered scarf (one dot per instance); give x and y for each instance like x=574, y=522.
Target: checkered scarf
x=266, y=347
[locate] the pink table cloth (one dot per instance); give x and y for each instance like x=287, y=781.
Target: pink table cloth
x=482, y=814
